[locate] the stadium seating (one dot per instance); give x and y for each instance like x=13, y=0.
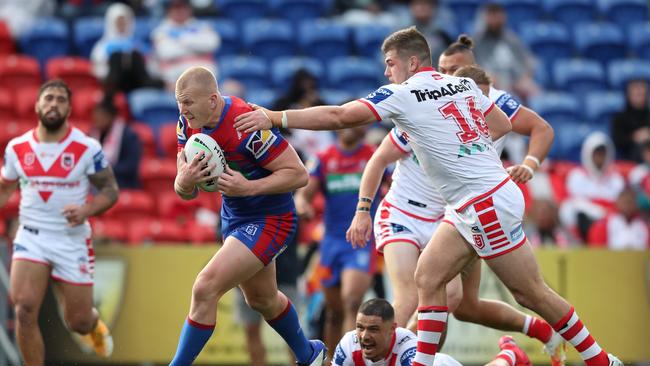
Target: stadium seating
x=7, y=111
x=569, y=136
x=356, y=75
x=464, y=9
x=146, y=229
x=251, y=71
x=298, y=10
x=171, y=206
x=547, y=40
x=283, y=69
x=556, y=107
x=240, y=10
x=571, y=12
x=578, y=76
x=7, y=44
x=336, y=96
x=262, y=96
x=12, y=128
x=227, y=30
x=600, y=41
x=168, y=140
x=621, y=71
x=147, y=138
x=599, y=106
x=153, y=106
x=17, y=71
x=157, y=175
x=639, y=39
x=623, y=12
x=25, y=99
x=201, y=233
x=269, y=39
x=87, y=31
x=84, y=101
x=10, y=209
x=144, y=26
x=522, y=11
x=112, y=229
x=324, y=39
x=368, y=39
x=48, y=38
x=131, y=205
x=75, y=71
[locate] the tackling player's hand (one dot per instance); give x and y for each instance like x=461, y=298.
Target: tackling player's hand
x=519, y=173
x=360, y=229
x=75, y=214
x=254, y=121
x=232, y=183
x=196, y=171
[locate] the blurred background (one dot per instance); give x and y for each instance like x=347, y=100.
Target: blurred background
x=583, y=65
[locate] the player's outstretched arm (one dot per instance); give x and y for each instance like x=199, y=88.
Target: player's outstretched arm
x=498, y=123
x=529, y=123
x=315, y=118
x=360, y=229
x=7, y=188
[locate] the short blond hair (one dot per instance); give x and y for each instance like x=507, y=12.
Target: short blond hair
x=475, y=73
x=408, y=42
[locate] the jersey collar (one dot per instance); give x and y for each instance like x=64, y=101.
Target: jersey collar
x=35, y=135
x=426, y=68
x=392, y=345
x=226, y=108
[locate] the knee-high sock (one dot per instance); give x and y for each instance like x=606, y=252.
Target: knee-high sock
x=432, y=321
x=537, y=328
x=288, y=327
x=193, y=337
x=573, y=331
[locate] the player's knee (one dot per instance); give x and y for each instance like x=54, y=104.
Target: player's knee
x=205, y=290
x=26, y=313
x=426, y=281
x=334, y=316
x=80, y=324
x=351, y=305
x=260, y=304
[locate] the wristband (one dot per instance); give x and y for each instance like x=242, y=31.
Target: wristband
x=530, y=170
x=363, y=209
x=530, y=157
x=365, y=199
x=285, y=122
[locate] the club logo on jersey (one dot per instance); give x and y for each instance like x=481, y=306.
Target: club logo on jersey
x=260, y=142
x=444, y=91
x=251, y=229
x=475, y=229
x=478, y=241
x=180, y=130
x=29, y=158
x=67, y=161
x=507, y=104
x=397, y=228
x=379, y=95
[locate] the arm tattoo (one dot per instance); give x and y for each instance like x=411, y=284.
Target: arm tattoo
x=105, y=183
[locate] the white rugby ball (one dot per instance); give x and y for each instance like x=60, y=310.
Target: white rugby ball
x=202, y=142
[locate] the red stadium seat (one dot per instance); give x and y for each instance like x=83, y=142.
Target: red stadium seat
x=13, y=128
x=11, y=208
x=168, y=140
x=170, y=206
x=597, y=235
x=25, y=100
x=7, y=45
x=210, y=201
x=7, y=110
x=82, y=124
x=202, y=234
x=158, y=175
x=17, y=72
x=132, y=204
x=84, y=101
x=147, y=138
x=75, y=71
x=157, y=230
x=112, y=229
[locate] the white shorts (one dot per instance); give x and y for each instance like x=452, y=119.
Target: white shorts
x=69, y=254
x=491, y=223
x=393, y=224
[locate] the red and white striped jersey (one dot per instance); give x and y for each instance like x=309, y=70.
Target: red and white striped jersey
x=403, y=346
x=443, y=116
x=52, y=175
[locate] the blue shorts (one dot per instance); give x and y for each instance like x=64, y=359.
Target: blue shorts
x=265, y=236
x=337, y=255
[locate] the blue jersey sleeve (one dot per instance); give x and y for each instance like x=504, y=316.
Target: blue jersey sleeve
x=407, y=357
x=266, y=145
x=508, y=104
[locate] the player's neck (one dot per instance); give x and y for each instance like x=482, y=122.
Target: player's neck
x=216, y=114
x=44, y=135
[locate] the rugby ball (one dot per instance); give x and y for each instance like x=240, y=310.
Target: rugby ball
x=202, y=142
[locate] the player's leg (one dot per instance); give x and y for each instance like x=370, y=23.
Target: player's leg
x=519, y=271
x=510, y=354
x=28, y=287
x=400, y=260
x=443, y=258
x=251, y=321
x=358, y=271
x=334, y=316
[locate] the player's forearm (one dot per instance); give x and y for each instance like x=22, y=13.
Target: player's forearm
x=102, y=201
x=313, y=118
x=6, y=190
x=541, y=140
x=185, y=192
x=280, y=181
x=371, y=177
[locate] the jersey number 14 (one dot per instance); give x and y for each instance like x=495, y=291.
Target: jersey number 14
x=468, y=132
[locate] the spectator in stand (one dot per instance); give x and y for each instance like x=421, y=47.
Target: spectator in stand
x=593, y=187
x=624, y=229
x=118, y=57
x=631, y=127
x=22, y=15
x=303, y=93
x=640, y=179
x=501, y=52
x=427, y=18
x=544, y=228
x=182, y=41
x=120, y=143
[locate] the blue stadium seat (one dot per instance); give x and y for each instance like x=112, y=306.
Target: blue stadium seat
x=356, y=75
x=556, y=106
x=578, y=76
x=299, y=10
x=240, y=10
x=284, y=68
x=251, y=71
x=230, y=37
x=262, y=96
x=572, y=11
x=87, y=31
x=547, y=40
x=269, y=39
x=599, y=106
x=368, y=39
x=153, y=106
x=624, y=12
x=522, y=11
x=144, y=26
x=48, y=38
x=337, y=96
x=465, y=10
x=569, y=136
x=639, y=39
x=621, y=71
x=324, y=39
x=600, y=41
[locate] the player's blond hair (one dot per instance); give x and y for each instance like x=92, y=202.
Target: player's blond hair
x=475, y=73
x=408, y=42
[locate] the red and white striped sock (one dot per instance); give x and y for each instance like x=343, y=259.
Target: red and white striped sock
x=431, y=323
x=508, y=355
x=537, y=328
x=570, y=327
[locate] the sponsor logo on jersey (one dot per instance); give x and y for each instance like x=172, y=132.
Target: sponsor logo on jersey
x=407, y=357
x=474, y=148
x=337, y=183
x=447, y=90
x=478, y=241
x=260, y=142
x=339, y=355
x=397, y=228
x=507, y=104
x=475, y=229
x=379, y=95
x=67, y=161
x=516, y=234
x=19, y=248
